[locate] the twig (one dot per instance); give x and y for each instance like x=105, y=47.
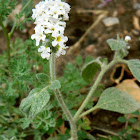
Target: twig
x=103, y=136
x=117, y=81
x=96, y=12
x=77, y=44
x=106, y=131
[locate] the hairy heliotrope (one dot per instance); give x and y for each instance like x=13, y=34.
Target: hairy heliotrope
x=50, y=17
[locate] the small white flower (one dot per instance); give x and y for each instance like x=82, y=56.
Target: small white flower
x=54, y=29
x=45, y=52
x=38, y=36
x=59, y=39
x=127, y=38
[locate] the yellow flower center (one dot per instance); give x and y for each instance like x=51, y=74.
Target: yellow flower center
x=58, y=39
x=40, y=35
x=52, y=28
x=55, y=12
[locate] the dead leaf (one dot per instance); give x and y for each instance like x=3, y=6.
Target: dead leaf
x=63, y=128
x=130, y=87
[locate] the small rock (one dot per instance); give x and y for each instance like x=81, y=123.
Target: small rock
x=121, y=10
x=135, y=32
x=138, y=13
x=110, y=21
x=136, y=23
x=90, y=48
x=137, y=6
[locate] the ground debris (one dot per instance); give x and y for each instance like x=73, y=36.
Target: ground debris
x=110, y=21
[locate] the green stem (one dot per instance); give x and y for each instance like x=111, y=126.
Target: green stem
x=7, y=39
x=87, y=112
x=26, y=5
x=60, y=100
x=93, y=88
x=14, y=26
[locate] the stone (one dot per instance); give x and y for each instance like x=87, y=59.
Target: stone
x=110, y=21
x=138, y=13
x=137, y=6
x=90, y=48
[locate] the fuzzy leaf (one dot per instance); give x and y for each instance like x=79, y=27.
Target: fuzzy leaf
x=116, y=44
x=134, y=66
x=55, y=85
x=90, y=70
x=35, y=102
x=44, y=120
x=115, y=100
x=25, y=122
x=43, y=78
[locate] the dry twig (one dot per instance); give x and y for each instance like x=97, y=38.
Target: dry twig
x=106, y=131
x=78, y=43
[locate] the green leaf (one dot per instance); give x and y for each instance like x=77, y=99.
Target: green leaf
x=122, y=119
x=115, y=100
x=132, y=120
x=134, y=66
x=85, y=124
x=55, y=85
x=44, y=120
x=88, y=59
x=79, y=60
x=25, y=122
x=43, y=78
x=35, y=102
x=90, y=70
x=6, y=7
x=82, y=134
x=59, y=122
x=116, y=44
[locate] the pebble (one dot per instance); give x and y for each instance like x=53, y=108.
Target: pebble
x=121, y=10
x=110, y=21
x=135, y=32
x=90, y=48
x=138, y=13
x=137, y=6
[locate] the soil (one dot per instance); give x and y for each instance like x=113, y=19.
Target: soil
x=95, y=42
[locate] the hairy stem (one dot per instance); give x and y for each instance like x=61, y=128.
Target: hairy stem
x=93, y=88
x=60, y=100
x=7, y=39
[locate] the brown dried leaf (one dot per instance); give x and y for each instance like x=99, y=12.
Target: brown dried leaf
x=130, y=87
x=63, y=128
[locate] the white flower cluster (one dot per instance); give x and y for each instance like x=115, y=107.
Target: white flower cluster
x=50, y=16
